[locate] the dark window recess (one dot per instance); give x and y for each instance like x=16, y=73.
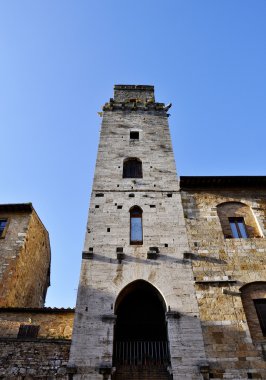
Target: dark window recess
x=3, y=223
x=152, y=206
x=97, y=206
x=119, y=249
x=119, y=207
x=91, y=249
x=260, y=305
x=132, y=168
x=136, y=234
x=99, y=195
x=238, y=227
x=166, y=245
x=169, y=195
x=117, y=185
x=134, y=135
x=131, y=195
x=28, y=331
x=108, y=229
x=250, y=375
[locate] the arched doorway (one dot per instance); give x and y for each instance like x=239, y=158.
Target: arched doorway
x=140, y=334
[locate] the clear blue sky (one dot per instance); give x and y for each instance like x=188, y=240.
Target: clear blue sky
x=59, y=61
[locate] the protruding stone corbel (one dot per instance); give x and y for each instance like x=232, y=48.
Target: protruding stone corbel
x=172, y=315
x=106, y=370
x=153, y=253
x=88, y=255
x=204, y=369
x=109, y=318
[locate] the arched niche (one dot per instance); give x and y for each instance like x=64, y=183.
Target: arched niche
x=253, y=297
x=237, y=220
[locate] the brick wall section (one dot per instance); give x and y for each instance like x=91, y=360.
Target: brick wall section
x=216, y=261
x=33, y=359
x=54, y=323
x=25, y=261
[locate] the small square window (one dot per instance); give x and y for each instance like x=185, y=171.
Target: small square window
x=238, y=227
x=3, y=226
x=134, y=135
x=28, y=331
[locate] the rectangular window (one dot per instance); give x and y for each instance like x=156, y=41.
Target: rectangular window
x=134, y=135
x=238, y=227
x=260, y=305
x=28, y=331
x=3, y=225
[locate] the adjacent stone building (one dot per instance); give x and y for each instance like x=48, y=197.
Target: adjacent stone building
x=173, y=276
x=34, y=340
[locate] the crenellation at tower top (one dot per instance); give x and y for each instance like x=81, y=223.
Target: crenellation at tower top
x=125, y=92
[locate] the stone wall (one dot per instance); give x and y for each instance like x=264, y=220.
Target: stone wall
x=54, y=323
x=25, y=258
x=43, y=357
x=34, y=359
x=221, y=267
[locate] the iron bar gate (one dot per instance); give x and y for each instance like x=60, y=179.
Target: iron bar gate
x=141, y=353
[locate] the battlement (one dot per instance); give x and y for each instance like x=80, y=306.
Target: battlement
x=125, y=92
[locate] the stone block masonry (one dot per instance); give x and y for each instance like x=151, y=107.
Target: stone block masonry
x=223, y=266
x=24, y=246
x=103, y=276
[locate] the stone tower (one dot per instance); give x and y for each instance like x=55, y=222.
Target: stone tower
x=137, y=315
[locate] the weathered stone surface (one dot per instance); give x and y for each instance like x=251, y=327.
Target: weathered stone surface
x=54, y=323
x=218, y=261
x=25, y=246
x=104, y=277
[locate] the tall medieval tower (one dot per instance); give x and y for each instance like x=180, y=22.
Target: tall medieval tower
x=136, y=316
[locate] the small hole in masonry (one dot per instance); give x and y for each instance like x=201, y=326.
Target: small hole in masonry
x=166, y=245
x=108, y=229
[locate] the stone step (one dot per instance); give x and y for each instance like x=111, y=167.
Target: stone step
x=129, y=373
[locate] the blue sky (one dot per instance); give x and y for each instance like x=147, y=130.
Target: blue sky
x=59, y=61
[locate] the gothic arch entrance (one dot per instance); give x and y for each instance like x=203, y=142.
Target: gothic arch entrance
x=140, y=333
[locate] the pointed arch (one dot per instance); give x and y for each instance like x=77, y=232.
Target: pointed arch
x=139, y=284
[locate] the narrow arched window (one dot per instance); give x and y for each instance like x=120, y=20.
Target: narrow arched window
x=136, y=234
x=132, y=168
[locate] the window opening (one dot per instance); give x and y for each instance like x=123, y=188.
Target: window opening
x=136, y=235
x=3, y=224
x=28, y=331
x=132, y=168
x=134, y=135
x=238, y=227
x=260, y=305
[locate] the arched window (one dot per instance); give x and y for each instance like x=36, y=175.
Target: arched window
x=132, y=168
x=237, y=220
x=136, y=235
x=254, y=303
